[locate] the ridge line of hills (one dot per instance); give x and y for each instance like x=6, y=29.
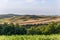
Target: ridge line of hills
x=28, y=19
x=12, y=15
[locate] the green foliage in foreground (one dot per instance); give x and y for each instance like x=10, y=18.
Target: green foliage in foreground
x=31, y=37
x=11, y=29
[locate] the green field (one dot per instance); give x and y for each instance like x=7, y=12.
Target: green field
x=30, y=37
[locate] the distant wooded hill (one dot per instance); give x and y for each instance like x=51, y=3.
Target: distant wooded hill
x=31, y=16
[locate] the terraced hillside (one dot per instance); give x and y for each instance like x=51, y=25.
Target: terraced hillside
x=28, y=19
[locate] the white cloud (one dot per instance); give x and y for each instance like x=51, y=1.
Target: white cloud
x=31, y=6
x=3, y=4
x=43, y=1
x=3, y=1
x=29, y=1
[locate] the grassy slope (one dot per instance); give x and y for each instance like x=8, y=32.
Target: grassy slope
x=31, y=37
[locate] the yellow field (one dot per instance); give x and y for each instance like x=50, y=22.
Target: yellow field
x=29, y=21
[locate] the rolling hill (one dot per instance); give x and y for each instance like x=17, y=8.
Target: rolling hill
x=28, y=19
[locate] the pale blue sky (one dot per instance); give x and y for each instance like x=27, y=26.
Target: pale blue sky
x=39, y=7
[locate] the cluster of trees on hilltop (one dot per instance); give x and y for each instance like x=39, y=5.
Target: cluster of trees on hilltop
x=11, y=29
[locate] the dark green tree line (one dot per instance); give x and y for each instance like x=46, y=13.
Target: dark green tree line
x=16, y=29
